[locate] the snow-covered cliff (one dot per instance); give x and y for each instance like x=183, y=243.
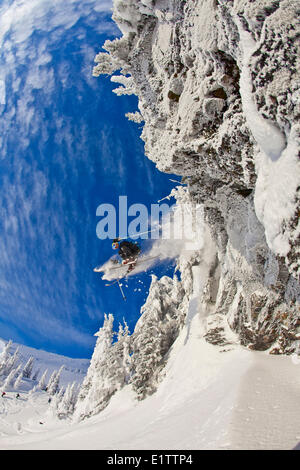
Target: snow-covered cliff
x=218, y=88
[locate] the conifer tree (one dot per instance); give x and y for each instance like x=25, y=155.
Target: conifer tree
x=95, y=390
x=35, y=375
x=42, y=385
x=66, y=406
x=9, y=380
x=124, y=340
x=19, y=378
x=4, y=357
x=137, y=359
x=53, y=384
x=154, y=334
x=27, y=371
x=11, y=362
x=109, y=369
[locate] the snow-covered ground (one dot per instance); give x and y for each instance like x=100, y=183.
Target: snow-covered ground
x=211, y=397
x=74, y=369
x=208, y=399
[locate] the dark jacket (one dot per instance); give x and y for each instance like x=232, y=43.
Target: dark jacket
x=128, y=249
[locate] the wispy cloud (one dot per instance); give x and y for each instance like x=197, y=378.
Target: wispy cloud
x=21, y=18
x=52, y=142
x=2, y=92
x=37, y=208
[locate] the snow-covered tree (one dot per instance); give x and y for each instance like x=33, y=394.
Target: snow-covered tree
x=128, y=14
x=108, y=370
x=124, y=340
x=53, y=384
x=154, y=334
x=146, y=359
x=8, y=361
x=42, y=385
x=135, y=117
x=66, y=405
x=27, y=371
x=9, y=379
x=51, y=388
x=137, y=359
x=35, y=375
x=4, y=357
x=106, y=64
x=94, y=392
x=19, y=374
x=128, y=87
x=55, y=401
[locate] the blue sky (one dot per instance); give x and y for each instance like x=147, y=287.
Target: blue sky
x=65, y=148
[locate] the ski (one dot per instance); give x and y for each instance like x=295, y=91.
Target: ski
x=112, y=283
x=125, y=275
x=122, y=265
x=138, y=262
x=97, y=270
x=143, y=260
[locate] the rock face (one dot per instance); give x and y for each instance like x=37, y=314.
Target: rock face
x=218, y=88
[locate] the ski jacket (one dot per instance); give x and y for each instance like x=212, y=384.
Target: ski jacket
x=128, y=249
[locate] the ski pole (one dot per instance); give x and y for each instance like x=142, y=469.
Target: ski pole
x=142, y=233
x=121, y=290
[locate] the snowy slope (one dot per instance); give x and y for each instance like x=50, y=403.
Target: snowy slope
x=26, y=413
x=208, y=399
x=74, y=369
x=211, y=397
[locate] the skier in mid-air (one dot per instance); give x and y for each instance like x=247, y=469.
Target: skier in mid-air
x=128, y=251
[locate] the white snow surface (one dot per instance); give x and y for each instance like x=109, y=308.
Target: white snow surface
x=208, y=399
x=74, y=369
x=277, y=163
x=269, y=137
